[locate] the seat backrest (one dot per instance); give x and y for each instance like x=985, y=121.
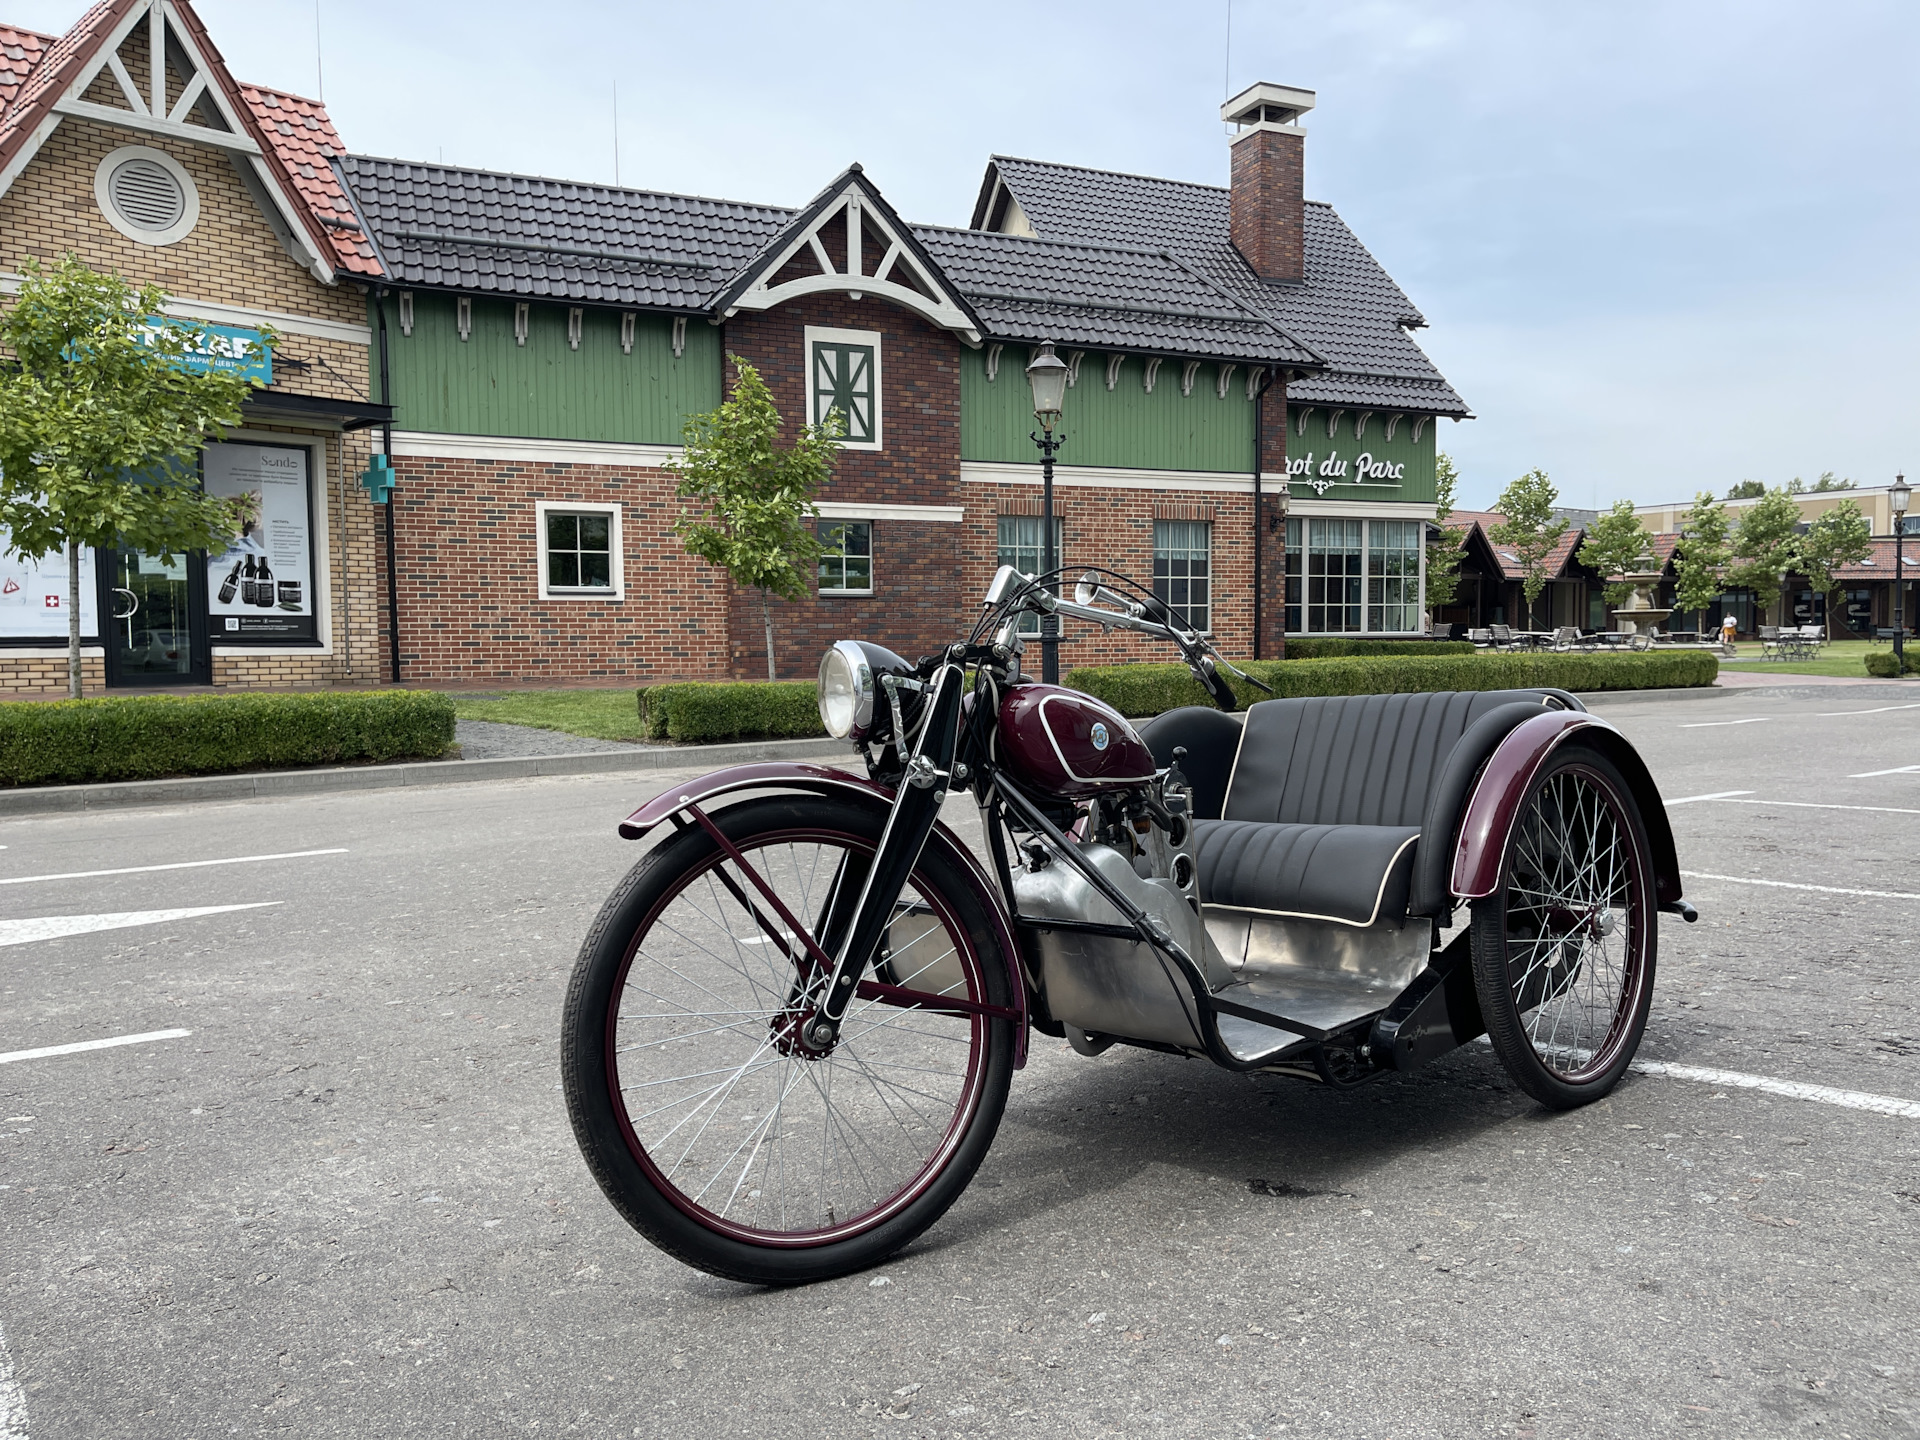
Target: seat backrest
x=1501, y=632
x=1769, y=632
x=1351, y=759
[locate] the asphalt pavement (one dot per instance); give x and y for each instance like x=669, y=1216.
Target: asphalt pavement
x=346, y=1200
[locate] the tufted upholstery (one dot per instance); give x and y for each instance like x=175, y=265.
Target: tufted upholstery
x=1307, y=870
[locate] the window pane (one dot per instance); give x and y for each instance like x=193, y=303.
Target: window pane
x=1182, y=568
x=595, y=569
x=1333, y=577
x=563, y=568
x=846, y=556
x=859, y=538
x=563, y=532
x=859, y=573
x=594, y=532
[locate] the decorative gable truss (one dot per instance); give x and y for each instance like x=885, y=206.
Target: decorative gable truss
x=850, y=242
x=107, y=74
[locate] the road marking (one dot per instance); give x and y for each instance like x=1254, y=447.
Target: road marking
x=1813, y=805
x=13, y=1400
x=1791, y=885
x=177, y=865
x=74, y=1049
x=53, y=927
x=1897, y=770
x=1716, y=795
x=1709, y=724
x=1794, y=1089
x=1830, y=714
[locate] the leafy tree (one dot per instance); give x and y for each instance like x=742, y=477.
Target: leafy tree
x=1747, y=490
x=1443, y=552
x=1839, y=537
x=101, y=419
x=1700, y=571
x=755, y=497
x=1827, y=482
x=1614, y=544
x=1764, y=543
x=1532, y=528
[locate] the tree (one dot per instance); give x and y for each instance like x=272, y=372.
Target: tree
x=1443, y=552
x=1532, y=528
x=1763, y=544
x=755, y=497
x=1615, y=543
x=1746, y=490
x=1839, y=537
x=1827, y=482
x=103, y=411
x=1700, y=569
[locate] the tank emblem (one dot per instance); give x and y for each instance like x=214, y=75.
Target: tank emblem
x=1099, y=735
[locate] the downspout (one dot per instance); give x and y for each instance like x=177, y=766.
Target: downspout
x=1259, y=451
x=386, y=445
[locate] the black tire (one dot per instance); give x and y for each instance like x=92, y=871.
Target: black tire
x=681, y=885
x=1564, y=952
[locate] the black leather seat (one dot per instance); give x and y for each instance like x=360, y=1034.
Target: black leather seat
x=1338, y=808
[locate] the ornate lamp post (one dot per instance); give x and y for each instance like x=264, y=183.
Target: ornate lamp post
x=1898, y=494
x=1047, y=374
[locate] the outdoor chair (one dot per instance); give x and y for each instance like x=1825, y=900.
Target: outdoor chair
x=1482, y=638
x=1770, y=647
x=1503, y=638
x=1565, y=637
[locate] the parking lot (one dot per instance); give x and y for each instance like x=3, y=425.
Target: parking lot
x=344, y=1199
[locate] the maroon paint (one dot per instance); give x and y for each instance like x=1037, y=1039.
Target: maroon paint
x=1042, y=726
x=1497, y=797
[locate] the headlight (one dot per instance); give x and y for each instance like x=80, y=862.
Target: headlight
x=846, y=692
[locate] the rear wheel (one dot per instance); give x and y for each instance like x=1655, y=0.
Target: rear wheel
x=713, y=1130
x=1563, y=952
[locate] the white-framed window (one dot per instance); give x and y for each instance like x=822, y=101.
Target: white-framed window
x=581, y=557
x=146, y=195
x=1393, y=575
x=846, y=557
x=1183, y=570
x=843, y=377
x=1020, y=547
x=1332, y=563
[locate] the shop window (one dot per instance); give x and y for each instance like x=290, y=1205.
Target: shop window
x=1393, y=575
x=843, y=370
x=846, y=557
x=1183, y=570
x=1020, y=548
x=580, y=552
x=1859, y=610
x=1334, y=576
x=1294, y=535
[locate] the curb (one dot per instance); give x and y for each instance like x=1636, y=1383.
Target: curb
x=53, y=799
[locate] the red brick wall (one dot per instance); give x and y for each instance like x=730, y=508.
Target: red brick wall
x=1267, y=217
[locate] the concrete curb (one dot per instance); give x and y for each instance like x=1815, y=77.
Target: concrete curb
x=53, y=799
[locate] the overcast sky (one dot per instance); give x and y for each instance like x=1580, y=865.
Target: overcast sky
x=1660, y=246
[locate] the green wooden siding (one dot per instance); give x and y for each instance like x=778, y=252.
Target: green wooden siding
x=488, y=385
x=1316, y=458
x=1123, y=427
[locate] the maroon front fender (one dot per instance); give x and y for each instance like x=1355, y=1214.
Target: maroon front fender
x=825, y=780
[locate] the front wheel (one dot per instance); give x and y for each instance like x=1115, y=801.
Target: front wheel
x=714, y=1130
x=1563, y=952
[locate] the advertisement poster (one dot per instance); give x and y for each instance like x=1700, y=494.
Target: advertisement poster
x=33, y=597
x=261, y=587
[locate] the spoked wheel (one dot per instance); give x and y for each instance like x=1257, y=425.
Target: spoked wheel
x=710, y=1125
x=1563, y=953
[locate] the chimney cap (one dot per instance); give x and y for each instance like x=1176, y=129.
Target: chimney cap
x=1267, y=103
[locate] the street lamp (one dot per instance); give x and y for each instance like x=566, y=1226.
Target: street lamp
x=1047, y=374
x=1898, y=494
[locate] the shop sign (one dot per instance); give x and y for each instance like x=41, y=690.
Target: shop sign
x=1323, y=475
x=33, y=595
x=260, y=588
x=233, y=349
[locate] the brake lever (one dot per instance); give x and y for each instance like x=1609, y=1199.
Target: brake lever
x=1235, y=669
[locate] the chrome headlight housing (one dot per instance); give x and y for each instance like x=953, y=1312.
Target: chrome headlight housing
x=846, y=691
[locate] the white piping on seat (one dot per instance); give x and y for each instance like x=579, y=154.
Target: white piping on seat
x=1367, y=923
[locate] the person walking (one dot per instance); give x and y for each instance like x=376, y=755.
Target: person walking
x=1726, y=631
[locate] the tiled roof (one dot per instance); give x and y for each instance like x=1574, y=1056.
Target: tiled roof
x=302, y=135
x=1348, y=310
x=1879, y=565
x=1559, y=559
x=20, y=51
x=476, y=230
x=44, y=82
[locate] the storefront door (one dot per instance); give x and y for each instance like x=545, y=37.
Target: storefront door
x=156, y=633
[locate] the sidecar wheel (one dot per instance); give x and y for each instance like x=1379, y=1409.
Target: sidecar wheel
x=1563, y=952
x=709, y=1125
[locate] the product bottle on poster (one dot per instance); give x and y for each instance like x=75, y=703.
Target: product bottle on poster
x=264, y=591
x=249, y=584
x=230, y=584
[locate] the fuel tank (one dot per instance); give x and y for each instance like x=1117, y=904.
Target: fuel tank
x=1060, y=742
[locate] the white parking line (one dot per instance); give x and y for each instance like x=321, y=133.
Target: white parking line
x=80, y=1045
x=1794, y=1089
x=53, y=927
x=1814, y=805
x=1716, y=795
x=177, y=865
x=1709, y=724
x=1830, y=714
x=1792, y=885
x=1897, y=770
x=13, y=1400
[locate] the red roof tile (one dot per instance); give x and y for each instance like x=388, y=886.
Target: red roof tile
x=1879, y=565
x=20, y=51
x=302, y=136
x=57, y=63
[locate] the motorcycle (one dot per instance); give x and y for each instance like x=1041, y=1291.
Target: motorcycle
x=792, y=1028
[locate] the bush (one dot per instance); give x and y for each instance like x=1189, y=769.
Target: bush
x=1333, y=646
x=144, y=737
x=728, y=711
x=1142, y=690
x=1887, y=667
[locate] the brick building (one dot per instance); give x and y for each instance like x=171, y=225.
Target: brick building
x=1250, y=424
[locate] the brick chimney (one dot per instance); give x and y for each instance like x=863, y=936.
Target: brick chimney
x=1269, y=195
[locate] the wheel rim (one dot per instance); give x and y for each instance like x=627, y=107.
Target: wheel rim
x=1577, y=923
x=733, y=1121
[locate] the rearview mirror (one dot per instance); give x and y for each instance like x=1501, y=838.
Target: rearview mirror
x=1006, y=580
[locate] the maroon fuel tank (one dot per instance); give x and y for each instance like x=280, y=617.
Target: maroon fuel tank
x=1060, y=742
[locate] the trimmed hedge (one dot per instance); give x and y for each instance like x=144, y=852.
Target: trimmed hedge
x=145, y=737
x=1887, y=667
x=729, y=710
x=1141, y=690
x=1333, y=646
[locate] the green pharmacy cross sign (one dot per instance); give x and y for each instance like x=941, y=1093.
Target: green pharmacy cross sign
x=233, y=349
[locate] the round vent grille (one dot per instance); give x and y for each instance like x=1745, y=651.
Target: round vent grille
x=146, y=196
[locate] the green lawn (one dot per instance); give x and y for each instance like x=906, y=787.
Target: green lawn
x=1842, y=657
x=597, y=714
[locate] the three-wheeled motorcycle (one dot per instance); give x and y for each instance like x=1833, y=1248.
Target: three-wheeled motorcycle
x=792, y=1027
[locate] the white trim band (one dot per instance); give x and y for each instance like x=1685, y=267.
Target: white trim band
x=523, y=450
x=218, y=314
x=928, y=514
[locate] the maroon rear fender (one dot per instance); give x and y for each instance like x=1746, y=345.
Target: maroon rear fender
x=857, y=790
x=1503, y=784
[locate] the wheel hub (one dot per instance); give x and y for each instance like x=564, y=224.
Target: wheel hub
x=790, y=1030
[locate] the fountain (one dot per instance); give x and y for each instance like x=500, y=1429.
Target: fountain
x=1640, y=616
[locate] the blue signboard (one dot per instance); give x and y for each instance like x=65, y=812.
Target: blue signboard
x=231, y=348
